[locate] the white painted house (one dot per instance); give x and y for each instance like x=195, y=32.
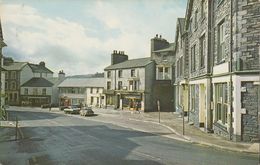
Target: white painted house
x=85, y=91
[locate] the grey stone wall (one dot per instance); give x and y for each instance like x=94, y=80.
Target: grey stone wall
x=194, y=37
x=194, y=114
x=249, y=100
x=246, y=31
x=221, y=13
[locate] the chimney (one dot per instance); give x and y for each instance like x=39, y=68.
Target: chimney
x=118, y=57
x=42, y=64
x=61, y=75
x=158, y=43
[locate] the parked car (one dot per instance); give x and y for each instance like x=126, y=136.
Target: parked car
x=87, y=111
x=73, y=109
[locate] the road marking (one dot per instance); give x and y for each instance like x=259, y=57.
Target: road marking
x=146, y=155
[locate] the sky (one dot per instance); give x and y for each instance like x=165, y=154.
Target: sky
x=78, y=36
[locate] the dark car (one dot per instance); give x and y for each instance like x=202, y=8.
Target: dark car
x=87, y=111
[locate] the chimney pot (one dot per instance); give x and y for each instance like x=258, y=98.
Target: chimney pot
x=160, y=36
x=156, y=36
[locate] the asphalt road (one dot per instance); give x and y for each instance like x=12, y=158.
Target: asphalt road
x=50, y=138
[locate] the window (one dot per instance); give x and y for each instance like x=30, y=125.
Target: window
x=196, y=20
x=131, y=85
x=119, y=85
x=25, y=91
x=202, y=10
x=15, y=97
x=91, y=90
x=11, y=96
x=135, y=85
x=190, y=25
x=221, y=102
x=108, y=85
x=97, y=91
x=13, y=74
x=44, y=91
x=120, y=73
x=6, y=75
x=35, y=91
x=202, y=51
x=108, y=74
x=92, y=100
x=181, y=66
x=193, y=62
x=221, y=38
x=178, y=68
x=132, y=73
x=6, y=85
x=13, y=85
x=166, y=73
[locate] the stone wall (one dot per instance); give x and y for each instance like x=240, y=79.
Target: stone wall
x=194, y=114
x=246, y=31
x=194, y=37
x=249, y=100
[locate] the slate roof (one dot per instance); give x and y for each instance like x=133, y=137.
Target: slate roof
x=15, y=66
x=170, y=48
x=37, y=82
x=83, y=82
x=134, y=63
x=39, y=69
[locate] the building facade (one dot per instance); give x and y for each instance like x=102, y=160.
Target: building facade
x=18, y=73
x=198, y=27
x=162, y=55
x=235, y=75
x=129, y=82
x=222, y=46
x=182, y=68
x=36, y=92
x=84, y=91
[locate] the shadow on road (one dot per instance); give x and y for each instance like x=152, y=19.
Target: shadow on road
x=93, y=144
x=30, y=115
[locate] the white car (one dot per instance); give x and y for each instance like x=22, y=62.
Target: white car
x=73, y=109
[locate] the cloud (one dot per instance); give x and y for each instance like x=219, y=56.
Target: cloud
x=81, y=47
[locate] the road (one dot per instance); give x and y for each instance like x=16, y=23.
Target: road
x=50, y=138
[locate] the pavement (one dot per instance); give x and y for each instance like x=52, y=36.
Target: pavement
x=174, y=123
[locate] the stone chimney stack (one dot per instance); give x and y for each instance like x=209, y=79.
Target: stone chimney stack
x=42, y=64
x=158, y=43
x=118, y=57
x=61, y=75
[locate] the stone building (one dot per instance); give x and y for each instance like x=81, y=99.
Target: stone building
x=197, y=25
x=129, y=83
x=235, y=74
x=222, y=45
x=162, y=55
x=182, y=67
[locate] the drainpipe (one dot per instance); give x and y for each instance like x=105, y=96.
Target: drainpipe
x=230, y=70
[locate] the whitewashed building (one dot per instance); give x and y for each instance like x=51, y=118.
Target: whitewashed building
x=85, y=91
